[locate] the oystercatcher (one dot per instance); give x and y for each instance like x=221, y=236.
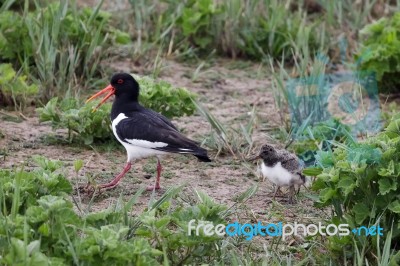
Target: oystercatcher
x=282, y=168
x=142, y=131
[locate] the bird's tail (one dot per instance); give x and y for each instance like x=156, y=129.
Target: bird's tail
x=203, y=157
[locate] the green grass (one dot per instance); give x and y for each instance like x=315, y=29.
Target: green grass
x=256, y=28
x=60, y=46
x=226, y=139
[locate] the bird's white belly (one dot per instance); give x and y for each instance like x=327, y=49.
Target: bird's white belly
x=134, y=151
x=279, y=175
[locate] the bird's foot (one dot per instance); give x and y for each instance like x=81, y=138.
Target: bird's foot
x=292, y=195
x=88, y=189
x=291, y=200
x=279, y=192
x=151, y=188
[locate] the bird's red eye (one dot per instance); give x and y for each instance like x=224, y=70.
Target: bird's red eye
x=120, y=81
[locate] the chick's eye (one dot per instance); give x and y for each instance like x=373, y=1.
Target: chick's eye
x=120, y=81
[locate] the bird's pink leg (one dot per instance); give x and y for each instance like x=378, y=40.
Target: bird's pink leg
x=157, y=185
x=116, y=179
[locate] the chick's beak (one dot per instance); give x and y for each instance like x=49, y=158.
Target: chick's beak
x=253, y=158
x=109, y=89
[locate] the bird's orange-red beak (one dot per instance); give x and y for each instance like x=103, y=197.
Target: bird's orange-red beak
x=109, y=89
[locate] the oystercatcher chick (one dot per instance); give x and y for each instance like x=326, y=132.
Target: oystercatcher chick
x=142, y=131
x=282, y=168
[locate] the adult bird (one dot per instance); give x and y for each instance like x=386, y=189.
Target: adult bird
x=142, y=131
x=282, y=168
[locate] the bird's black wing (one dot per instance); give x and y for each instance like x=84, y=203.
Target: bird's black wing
x=152, y=128
x=156, y=116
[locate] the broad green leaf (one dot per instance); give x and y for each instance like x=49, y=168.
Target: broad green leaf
x=53, y=203
x=33, y=247
x=394, y=206
x=312, y=171
x=44, y=229
x=361, y=212
x=388, y=170
x=327, y=194
x=386, y=185
x=393, y=129
x=38, y=258
x=36, y=214
x=347, y=184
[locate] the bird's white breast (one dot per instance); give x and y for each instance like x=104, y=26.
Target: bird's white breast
x=137, y=148
x=279, y=175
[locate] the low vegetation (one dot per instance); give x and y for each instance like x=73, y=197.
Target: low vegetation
x=82, y=123
x=14, y=88
x=256, y=29
x=360, y=182
x=39, y=225
x=379, y=52
x=60, y=46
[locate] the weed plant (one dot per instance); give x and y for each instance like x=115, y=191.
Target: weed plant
x=59, y=46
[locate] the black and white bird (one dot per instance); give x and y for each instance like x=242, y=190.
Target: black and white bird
x=142, y=131
x=282, y=168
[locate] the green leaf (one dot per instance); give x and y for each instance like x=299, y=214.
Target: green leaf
x=38, y=258
x=361, y=212
x=388, y=170
x=44, y=229
x=312, y=171
x=386, y=185
x=247, y=194
x=318, y=184
x=394, y=206
x=162, y=222
x=393, y=129
x=122, y=37
x=53, y=203
x=327, y=194
x=78, y=165
x=347, y=184
x=33, y=247
x=36, y=214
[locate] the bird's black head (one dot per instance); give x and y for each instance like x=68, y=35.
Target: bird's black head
x=267, y=151
x=125, y=86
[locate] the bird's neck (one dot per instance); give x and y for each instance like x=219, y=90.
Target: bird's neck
x=124, y=105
